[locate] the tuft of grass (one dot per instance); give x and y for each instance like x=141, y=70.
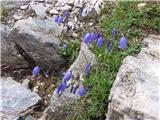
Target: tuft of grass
x=4, y=12
x=133, y=24
x=71, y=53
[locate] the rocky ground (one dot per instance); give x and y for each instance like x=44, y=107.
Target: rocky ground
x=30, y=36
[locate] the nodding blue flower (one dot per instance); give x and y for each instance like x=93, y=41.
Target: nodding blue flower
x=82, y=91
x=87, y=70
x=93, y=36
x=65, y=46
x=64, y=86
x=66, y=13
x=87, y=67
x=61, y=87
x=47, y=73
x=109, y=46
x=36, y=70
x=100, y=42
x=58, y=90
x=58, y=19
x=68, y=75
x=123, y=42
x=114, y=32
x=86, y=38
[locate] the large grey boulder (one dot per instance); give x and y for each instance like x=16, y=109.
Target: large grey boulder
x=37, y=38
x=135, y=92
x=15, y=99
x=9, y=54
x=85, y=56
x=8, y=4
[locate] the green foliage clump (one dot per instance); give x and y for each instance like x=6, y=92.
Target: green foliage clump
x=130, y=22
x=72, y=51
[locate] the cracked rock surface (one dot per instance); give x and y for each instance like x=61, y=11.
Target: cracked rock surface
x=135, y=92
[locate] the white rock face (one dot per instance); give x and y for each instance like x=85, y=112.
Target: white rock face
x=15, y=99
x=85, y=56
x=135, y=93
x=39, y=9
x=53, y=11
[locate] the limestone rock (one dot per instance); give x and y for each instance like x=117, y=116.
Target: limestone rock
x=24, y=7
x=53, y=11
x=9, y=54
x=135, y=92
x=66, y=7
x=16, y=99
x=141, y=6
x=85, y=56
x=37, y=38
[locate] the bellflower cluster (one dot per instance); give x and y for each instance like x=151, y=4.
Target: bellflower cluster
x=63, y=85
x=90, y=37
x=61, y=18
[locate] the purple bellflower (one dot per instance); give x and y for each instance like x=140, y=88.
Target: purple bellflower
x=109, y=46
x=93, y=36
x=123, y=42
x=66, y=13
x=58, y=19
x=61, y=87
x=68, y=75
x=82, y=91
x=114, y=32
x=86, y=38
x=87, y=70
x=99, y=42
x=65, y=46
x=36, y=70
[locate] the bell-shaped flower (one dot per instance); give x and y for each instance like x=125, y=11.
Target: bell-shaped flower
x=61, y=87
x=123, y=42
x=82, y=91
x=66, y=13
x=100, y=42
x=58, y=19
x=86, y=38
x=65, y=46
x=58, y=90
x=36, y=70
x=87, y=70
x=67, y=76
x=114, y=32
x=93, y=36
x=109, y=46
